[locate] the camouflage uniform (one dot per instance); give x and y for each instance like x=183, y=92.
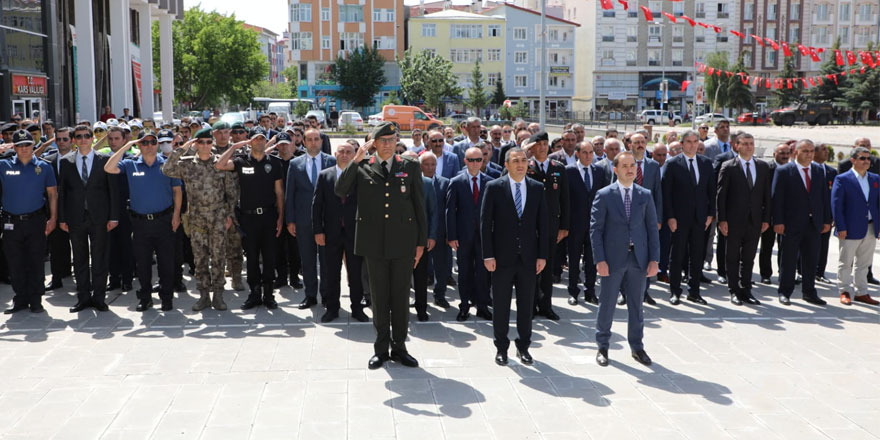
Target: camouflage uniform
x=211, y=197
x=234, y=254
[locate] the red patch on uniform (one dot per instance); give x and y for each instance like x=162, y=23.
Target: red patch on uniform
x=876, y=185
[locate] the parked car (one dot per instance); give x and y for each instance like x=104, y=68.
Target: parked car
x=158, y=119
x=407, y=117
x=458, y=118
x=233, y=117
x=710, y=118
x=375, y=119
x=810, y=112
x=749, y=118
x=351, y=117
x=658, y=117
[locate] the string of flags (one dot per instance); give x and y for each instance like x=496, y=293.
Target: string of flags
x=783, y=83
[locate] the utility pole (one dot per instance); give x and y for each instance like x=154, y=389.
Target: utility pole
x=542, y=118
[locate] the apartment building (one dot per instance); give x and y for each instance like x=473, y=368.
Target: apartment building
x=854, y=22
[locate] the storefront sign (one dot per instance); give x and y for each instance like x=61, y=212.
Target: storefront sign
x=26, y=85
x=559, y=70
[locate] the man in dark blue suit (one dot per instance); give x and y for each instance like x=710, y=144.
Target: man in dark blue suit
x=302, y=178
x=820, y=156
x=801, y=213
x=491, y=168
x=333, y=220
x=688, y=208
x=420, y=272
x=438, y=257
x=585, y=178
x=515, y=246
x=447, y=163
x=626, y=248
x=463, y=234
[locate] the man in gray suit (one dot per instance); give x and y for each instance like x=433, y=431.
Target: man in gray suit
x=721, y=142
x=611, y=146
x=626, y=249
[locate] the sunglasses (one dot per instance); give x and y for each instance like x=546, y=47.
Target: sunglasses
x=205, y=142
x=62, y=139
x=704, y=128
x=508, y=131
x=863, y=158
x=436, y=141
x=238, y=131
x=484, y=132
x=99, y=130
x=148, y=142
x=178, y=144
x=474, y=159
x=83, y=136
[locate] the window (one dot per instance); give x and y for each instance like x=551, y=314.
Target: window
x=794, y=12
x=677, y=57
x=822, y=12
x=519, y=33
x=631, y=58
x=700, y=10
x=723, y=11
x=607, y=57
x=134, y=28
x=608, y=33
x=553, y=35
x=493, y=55
x=654, y=56
x=747, y=58
x=654, y=34
x=301, y=40
x=301, y=12
x=430, y=52
x=520, y=81
x=678, y=9
x=865, y=12
x=493, y=78
x=700, y=36
x=325, y=42
x=466, y=56
x=351, y=13
x=821, y=35
x=390, y=16
x=655, y=7
x=383, y=15
x=632, y=14
x=608, y=14
x=494, y=30
x=771, y=11
x=771, y=57
x=520, y=57
x=350, y=40
x=749, y=11
x=325, y=14
x=429, y=30
x=383, y=43
x=677, y=34
x=794, y=34
x=556, y=58
x=632, y=34
x=843, y=33
x=466, y=31
x=556, y=82
x=721, y=38
x=844, y=12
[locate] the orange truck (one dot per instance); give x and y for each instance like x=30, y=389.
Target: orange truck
x=407, y=117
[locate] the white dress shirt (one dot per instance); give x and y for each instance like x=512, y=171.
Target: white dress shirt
x=317, y=160
x=623, y=193
x=545, y=164
x=471, y=181
x=338, y=172
x=89, y=158
x=522, y=190
x=750, y=164
x=800, y=171
x=439, y=169
x=581, y=169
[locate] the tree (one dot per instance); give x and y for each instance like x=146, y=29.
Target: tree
x=477, y=98
x=426, y=77
x=829, y=90
x=271, y=90
x=498, y=96
x=291, y=74
x=716, y=86
x=359, y=75
x=215, y=59
x=861, y=96
x=392, y=99
x=784, y=96
x=739, y=93
x=300, y=109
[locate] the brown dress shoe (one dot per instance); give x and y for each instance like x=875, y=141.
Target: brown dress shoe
x=867, y=299
x=844, y=299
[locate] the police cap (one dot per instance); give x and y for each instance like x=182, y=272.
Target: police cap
x=22, y=137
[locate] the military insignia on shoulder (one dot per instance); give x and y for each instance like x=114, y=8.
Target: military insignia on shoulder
x=268, y=167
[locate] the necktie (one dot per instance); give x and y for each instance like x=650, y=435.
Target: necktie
x=639, y=175
x=693, y=172
x=517, y=199
x=725, y=147
x=385, y=170
x=314, y=171
x=587, y=181
x=627, y=202
x=749, y=175
x=807, y=177
x=85, y=171
x=542, y=167
x=476, y=190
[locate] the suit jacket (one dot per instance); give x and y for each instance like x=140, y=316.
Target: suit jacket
x=300, y=193
x=560, y=157
x=555, y=181
x=330, y=214
x=52, y=159
x=581, y=200
x=845, y=165
x=432, y=213
x=100, y=192
x=652, y=181
x=850, y=207
x=713, y=147
x=743, y=209
x=611, y=231
x=793, y=207
x=391, y=218
x=720, y=159
x=460, y=147
x=441, y=187
x=462, y=214
x=507, y=237
x=686, y=203
x=451, y=167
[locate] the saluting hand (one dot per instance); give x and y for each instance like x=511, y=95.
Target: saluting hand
x=362, y=151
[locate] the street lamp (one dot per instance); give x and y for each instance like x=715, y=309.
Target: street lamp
x=542, y=118
x=663, y=93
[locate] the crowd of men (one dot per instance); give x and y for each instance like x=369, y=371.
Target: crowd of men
x=509, y=208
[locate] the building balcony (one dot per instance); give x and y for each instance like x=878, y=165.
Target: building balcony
x=724, y=15
x=866, y=19
x=827, y=19
x=700, y=15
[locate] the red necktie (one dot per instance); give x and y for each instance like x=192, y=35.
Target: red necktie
x=639, y=173
x=807, y=177
x=476, y=191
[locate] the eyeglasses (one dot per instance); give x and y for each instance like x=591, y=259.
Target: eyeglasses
x=863, y=158
x=437, y=141
x=62, y=139
x=148, y=142
x=508, y=131
x=204, y=142
x=83, y=136
x=237, y=131
x=99, y=130
x=474, y=159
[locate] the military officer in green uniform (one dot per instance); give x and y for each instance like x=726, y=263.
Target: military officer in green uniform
x=390, y=234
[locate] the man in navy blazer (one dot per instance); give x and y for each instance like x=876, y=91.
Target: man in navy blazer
x=854, y=201
x=688, y=208
x=626, y=248
x=439, y=258
x=801, y=213
x=471, y=130
x=420, y=272
x=515, y=223
x=463, y=234
x=585, y=178
x=302, y=178
x=333, y=221
x=447, y=163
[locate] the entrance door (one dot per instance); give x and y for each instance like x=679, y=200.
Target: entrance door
x=35, y=106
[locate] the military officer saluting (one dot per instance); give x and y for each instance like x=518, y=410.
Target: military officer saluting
x=24, y=180
x=391, y=233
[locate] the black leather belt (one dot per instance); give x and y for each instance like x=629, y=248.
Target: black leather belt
x=154, y=215
x=258, y=211
x=28, y=216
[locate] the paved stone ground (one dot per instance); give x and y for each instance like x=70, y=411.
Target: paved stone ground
x=720, y=372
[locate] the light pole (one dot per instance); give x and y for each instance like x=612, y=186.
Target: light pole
x=663, y=92
x=542, y=118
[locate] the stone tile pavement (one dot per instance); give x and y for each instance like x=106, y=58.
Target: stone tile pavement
x=720, y=372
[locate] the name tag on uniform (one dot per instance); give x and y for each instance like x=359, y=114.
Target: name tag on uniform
x=137, y=173
x=402, y=189
x=12, y=172
x=8, y=227
x=247, y=170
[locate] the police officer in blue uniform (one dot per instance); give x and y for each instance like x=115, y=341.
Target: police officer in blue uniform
x=28, y=186
x=155, y=215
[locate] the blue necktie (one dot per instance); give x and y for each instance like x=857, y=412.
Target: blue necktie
x=518, y=200
x=587, y=180
x=627, y=203
x=314, y=171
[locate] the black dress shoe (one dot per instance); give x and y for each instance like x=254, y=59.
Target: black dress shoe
x=641, y=357
x=674, y=299
x=874, y=281
x=126, y=286
x=296, y=283
x=307, y=303
x=112, y=285
x=485, y=314
x=441, y=302
x=167, y=306
x=404, y=359
x=750, y=299
x=100, y=306
x=784, y=300
x=451, y=281
x=37, y=308
x=377, y=360
x=270, y=303
x=735, y=300
x=591, y=298
x=366, y=302
x=15, y=308
x=359, y=315
x=156, y=288
x=602, y=357
x=814, y=300
x=501, y=357
x=524, y=357
x=695, y=297
x=80, y=306
x=53, y=285
x=621, y=299
x=179, y=287
x=422, y=316
x=143, y=306
x=766, y=281
x=279, y=283
x=551, y=315
x=330, y=315
x=572, y=301
x=252, y=301
x=704, y=279
x=649, y=300
x=462, y=315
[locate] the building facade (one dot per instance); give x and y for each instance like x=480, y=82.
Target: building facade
x=322, y=30
x=269, y=46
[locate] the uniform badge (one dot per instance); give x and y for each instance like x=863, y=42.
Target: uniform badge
x=268, y=168
x=555, y=186
x=402, y=189
x=38, y=170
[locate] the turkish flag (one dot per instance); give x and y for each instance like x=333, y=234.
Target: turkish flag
x=772, y=43
x=648, y=15
x=757, y=39
x=738, y=34
x=850, y=57
x=606, y=4
x=670, y=17
x=804, y=81
x=703, y=24
x=624, y=3
x=684, y=85
x=813, y=55
x=715, y=28
x=812, y=82
x=804, y=51
x=788, y=82
x=785, y=50
x=838, y=57
x=711, y=71
x=689, y=20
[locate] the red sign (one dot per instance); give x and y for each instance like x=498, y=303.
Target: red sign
x=26, y=85
x=136, y=72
